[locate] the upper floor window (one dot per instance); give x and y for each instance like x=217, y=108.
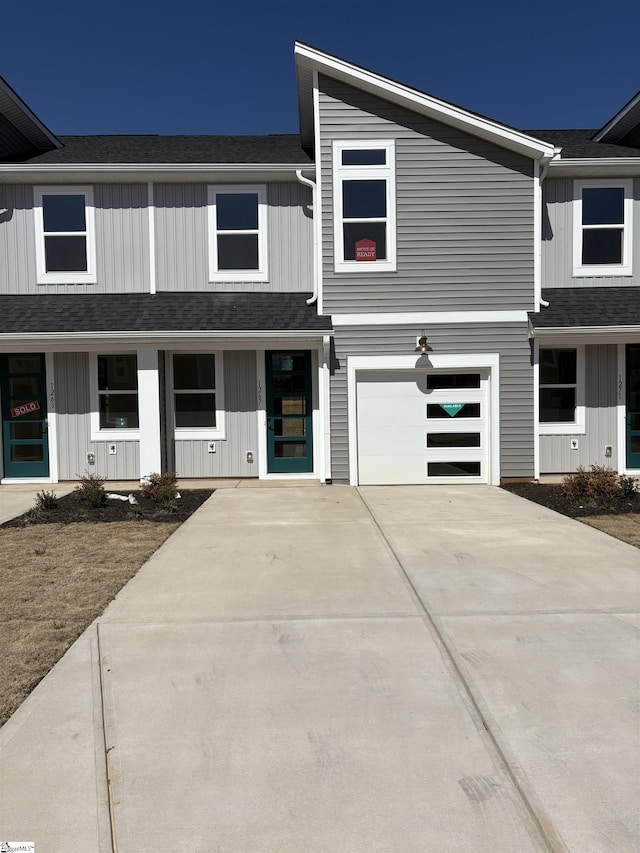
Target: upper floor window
x=364, y=206
x=65, y=235
x=561, y=383
x=238, y=233
x=603, y=234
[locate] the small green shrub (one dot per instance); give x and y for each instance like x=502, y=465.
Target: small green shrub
x=160, y=488
x=46, y=500
x=91, y=489
x=576, y=486
x=33, y=513
x=628, y=486
x=136, y=511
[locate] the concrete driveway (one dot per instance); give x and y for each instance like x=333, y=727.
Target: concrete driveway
x=326, y=669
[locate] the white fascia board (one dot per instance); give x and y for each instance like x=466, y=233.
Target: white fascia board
x=426, y=104
x=27, y=339
x=591, y=167
x=163, y=172
x=617, y=119
x=572, y=331
x=428, y=318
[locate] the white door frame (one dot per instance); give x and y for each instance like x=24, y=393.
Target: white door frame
x=489, y=361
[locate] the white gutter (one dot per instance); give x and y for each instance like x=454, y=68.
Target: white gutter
x=161, y=335
x=542, y=331
x=314, y=206
x=188, y=172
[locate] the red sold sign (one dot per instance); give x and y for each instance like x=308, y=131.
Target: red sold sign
x=25, y=408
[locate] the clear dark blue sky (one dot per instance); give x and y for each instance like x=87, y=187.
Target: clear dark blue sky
x=219, y=66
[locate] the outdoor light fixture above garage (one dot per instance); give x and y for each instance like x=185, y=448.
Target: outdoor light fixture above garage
x=423, y=347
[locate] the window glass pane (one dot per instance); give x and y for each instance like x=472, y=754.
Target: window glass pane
x=26, y=386
x=290, y=406
x=290, y=449
x=355, y=231
x=117, y=373
x=237, y=211
x=453, y=439
x=365, y=157
x=287, y=362
x=65, y=254
x=635, y=444
x=64, y=212
x=453, y=380
x=119, y=411
x=469, y=410
x=602, y=247
x=635, y=421
x=289, y=426
x=238, y=252
x=557, y=367
x=25, y=430
x=23, y=364
x=27, y=452
x=195, y=410
x=453, y=469
x=194, y=371
x=364, y=199
x=557, y=405
x=602, y=205
x=289, y=382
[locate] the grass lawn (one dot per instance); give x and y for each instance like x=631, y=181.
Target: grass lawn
x=58, y=577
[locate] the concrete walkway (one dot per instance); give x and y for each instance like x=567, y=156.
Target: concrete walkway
x=321, y=669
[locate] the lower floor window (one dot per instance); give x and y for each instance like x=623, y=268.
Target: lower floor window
x=118, y=392
x=196, y=392
x=558, y=385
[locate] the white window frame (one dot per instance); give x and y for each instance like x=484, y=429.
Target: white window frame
x=199, y=433
x=98, y=434
x=577, y=425
x=262, y=273
x=80, y=277
x=625, y=268
x=387, y=173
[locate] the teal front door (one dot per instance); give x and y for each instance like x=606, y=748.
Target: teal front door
x=633, y=405
x=289, y=412
x=24, y=415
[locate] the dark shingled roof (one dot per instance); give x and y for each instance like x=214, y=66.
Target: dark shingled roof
x=579, y=144
x=161, y=312
x=280, y=148
x=572, y=307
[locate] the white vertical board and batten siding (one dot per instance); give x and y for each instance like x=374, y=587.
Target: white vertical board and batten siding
x=192, y=458
x=122, y=241
x=601, y=391
x=181, y=240
x=73, y=412
x=516, y=381
x=465, y=230
x=557, y=238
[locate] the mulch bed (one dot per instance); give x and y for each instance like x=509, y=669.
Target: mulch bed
x=71, y=508
x=552, y=496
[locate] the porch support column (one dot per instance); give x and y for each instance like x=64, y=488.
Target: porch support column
x=149, y=411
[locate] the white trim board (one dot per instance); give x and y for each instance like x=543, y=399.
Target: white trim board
x=425, y=318
x=490, y=361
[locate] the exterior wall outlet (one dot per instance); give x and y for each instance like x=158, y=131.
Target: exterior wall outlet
x=211, y=446
x=574, y=443
x=91, y=458
x=608, y=451
x=113, y=449
x=249, y=456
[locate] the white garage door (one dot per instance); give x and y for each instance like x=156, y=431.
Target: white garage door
x=419, y=426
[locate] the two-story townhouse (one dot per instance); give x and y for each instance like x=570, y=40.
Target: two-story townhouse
x=363, y=301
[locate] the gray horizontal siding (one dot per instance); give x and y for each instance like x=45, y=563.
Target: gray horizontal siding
x=72, y=406
x=601, y=373
x=182, y=249
x=192, y=458
x=122, y=241
x=557, y=239
x=464, y=214
x=516, y=382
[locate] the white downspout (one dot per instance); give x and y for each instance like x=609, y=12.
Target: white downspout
x=314, y=207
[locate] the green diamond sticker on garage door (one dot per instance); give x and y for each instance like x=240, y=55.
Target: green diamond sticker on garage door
x=451, y=409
